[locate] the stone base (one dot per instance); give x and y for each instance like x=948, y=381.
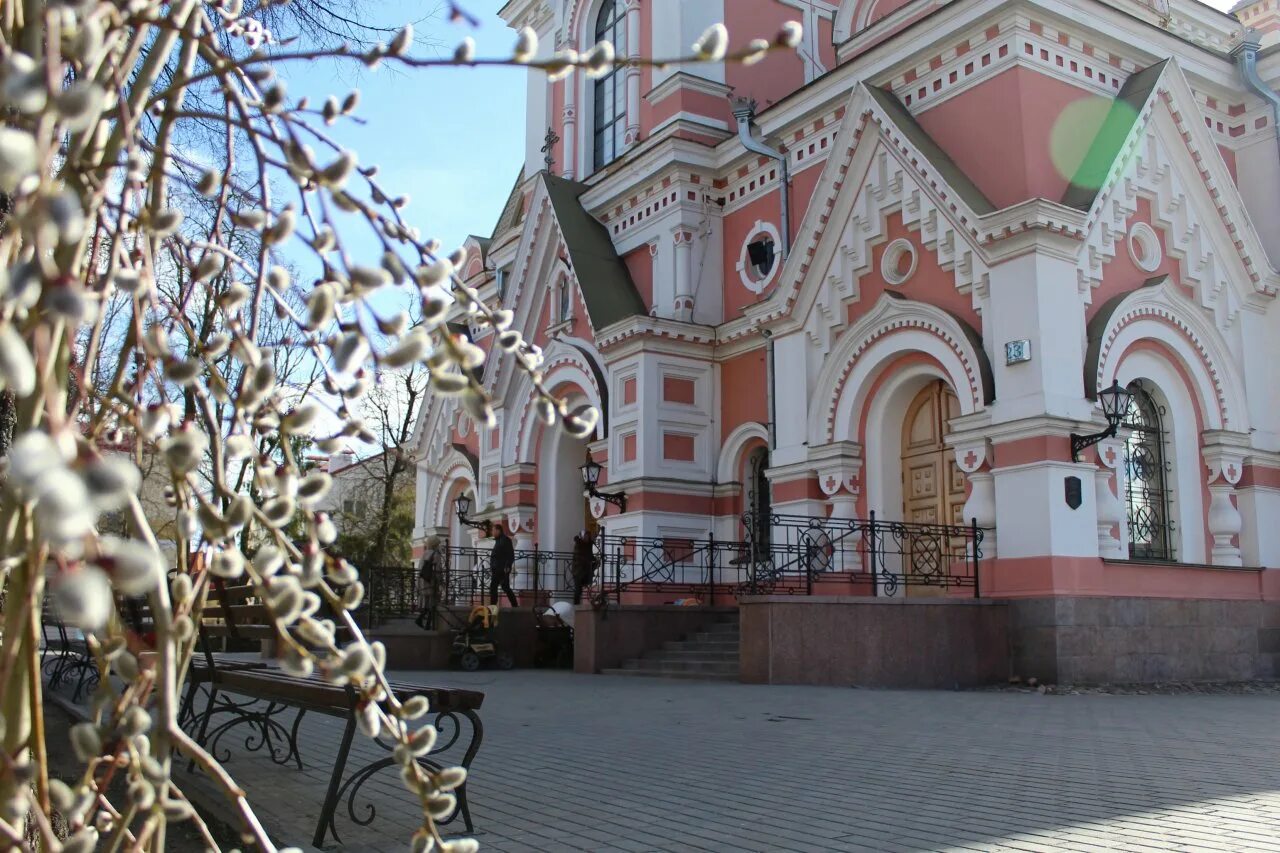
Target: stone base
x=409, y=647
x=604, y=639
x=1087, y=640
x=874, y=642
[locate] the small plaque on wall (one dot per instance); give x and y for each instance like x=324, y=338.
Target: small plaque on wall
x=1016, y=352
x=1075, y=494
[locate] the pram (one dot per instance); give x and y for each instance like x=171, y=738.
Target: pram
x=476, y=642
x=553, y=637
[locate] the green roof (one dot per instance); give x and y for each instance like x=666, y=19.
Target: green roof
x=606, y=285
x=1125, y=110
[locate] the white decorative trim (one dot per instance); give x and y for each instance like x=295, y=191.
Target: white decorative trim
x=893, y=254
x=1181, y=327
x=744, y=263
x=971, y=456
x=732, y=447
x=938, y=335
x=683, y=80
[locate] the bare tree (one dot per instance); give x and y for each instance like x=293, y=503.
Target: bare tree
x=132, y=319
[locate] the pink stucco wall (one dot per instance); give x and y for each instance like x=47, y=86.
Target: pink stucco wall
x=1011, y=159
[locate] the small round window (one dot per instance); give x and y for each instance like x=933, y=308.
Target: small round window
x=1144, y=247
x=899, y=261
x=761, y=257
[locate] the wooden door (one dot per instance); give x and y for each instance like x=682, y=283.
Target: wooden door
x=933, y=487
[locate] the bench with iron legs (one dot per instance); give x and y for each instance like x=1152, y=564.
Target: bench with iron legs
x=242, y=692
x=65, y=658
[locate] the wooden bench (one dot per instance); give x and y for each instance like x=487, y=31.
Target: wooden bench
x=269, y=693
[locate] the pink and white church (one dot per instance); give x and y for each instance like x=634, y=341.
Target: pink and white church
x=889, y=274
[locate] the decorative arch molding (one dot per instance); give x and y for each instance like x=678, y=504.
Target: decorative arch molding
x=565, y=365
x=454, y=466
x=854, y=16
x=896, y=325
x=1170, y=159
x=734, y=446
x=1158, y=312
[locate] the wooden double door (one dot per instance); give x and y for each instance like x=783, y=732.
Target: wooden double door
x=933, y=486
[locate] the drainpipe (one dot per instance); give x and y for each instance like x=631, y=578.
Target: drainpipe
x=1246, y=56
x=769, y=390
x=744, y=110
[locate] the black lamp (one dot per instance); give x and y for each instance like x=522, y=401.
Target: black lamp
x=462, y=505
x=591, y=478
x=1115, y=403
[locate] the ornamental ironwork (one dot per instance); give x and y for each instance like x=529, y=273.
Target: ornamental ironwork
x=1147, y=469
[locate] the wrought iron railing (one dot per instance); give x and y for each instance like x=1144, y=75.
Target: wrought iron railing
x=393, y=592
x=791, y=551
x=779, y=554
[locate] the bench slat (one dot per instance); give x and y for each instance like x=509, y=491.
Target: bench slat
x=320, y=695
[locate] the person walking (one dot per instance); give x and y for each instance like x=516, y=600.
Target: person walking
x=429, y=584
x=583, y=567
x=501, y=561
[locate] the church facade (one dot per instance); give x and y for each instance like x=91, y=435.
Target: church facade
x=894, y=275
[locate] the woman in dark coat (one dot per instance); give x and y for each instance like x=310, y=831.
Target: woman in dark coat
x=583, y=567
x=501, y=561
x=429, y=584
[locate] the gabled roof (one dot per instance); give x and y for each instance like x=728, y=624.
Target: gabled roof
x=606, y=285
x=510, y=216
x=938, y=159
x=1125, y=111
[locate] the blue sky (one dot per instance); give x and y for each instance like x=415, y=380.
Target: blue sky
x=451, y=138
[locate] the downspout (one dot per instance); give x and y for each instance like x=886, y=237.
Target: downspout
x=1246, y=56
x=769, y=386
x=744, y=110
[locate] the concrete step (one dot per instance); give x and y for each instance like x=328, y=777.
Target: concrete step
x=702, y=646
x=711, y=639
x=719, y=628
x=678, y=665
x=707, y=657
x=714, y=635
x=675, y=673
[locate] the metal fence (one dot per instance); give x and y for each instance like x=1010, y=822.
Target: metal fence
x=789, y=553
x=779, y=554
x=393, y=592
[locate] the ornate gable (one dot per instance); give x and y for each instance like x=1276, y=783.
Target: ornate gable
x=1169, y=157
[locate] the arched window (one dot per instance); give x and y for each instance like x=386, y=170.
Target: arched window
x=1146, y=492
x=610, y=91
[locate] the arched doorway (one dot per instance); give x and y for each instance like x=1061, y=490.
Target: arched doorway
x=563, y=508
x=933, y=486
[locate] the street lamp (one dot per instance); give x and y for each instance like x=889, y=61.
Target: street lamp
x=591, y=479
x=462, y=506
x=1114, y=402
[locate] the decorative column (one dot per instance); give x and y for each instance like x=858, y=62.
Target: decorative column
x=1108, y=486
x=633, y=73
x=974, y=460
x=841, y=483
x=682, y=306
x=570, y=133
x=522, y=520
x=1225, y=522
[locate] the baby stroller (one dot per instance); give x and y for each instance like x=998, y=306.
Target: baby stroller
x=553, y=637
x=475, y=643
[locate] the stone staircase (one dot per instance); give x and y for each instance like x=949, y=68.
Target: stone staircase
x=710, y=654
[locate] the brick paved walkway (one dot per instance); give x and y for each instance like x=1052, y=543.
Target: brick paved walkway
x=600, y=763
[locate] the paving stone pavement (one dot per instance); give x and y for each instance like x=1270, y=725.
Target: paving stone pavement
x=602, y=763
